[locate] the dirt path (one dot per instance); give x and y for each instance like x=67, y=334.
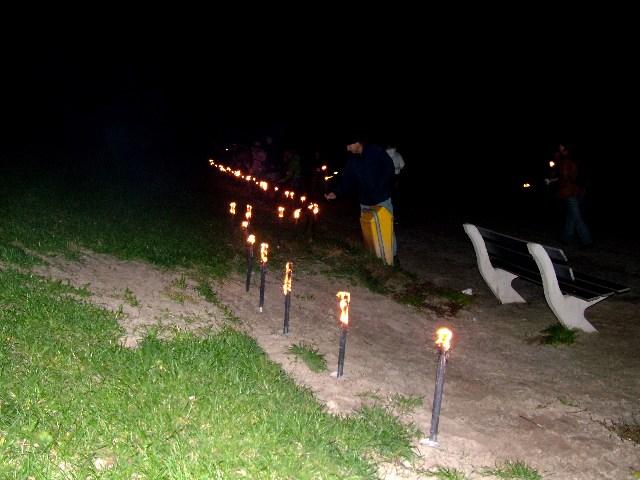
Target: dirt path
x=505, y=398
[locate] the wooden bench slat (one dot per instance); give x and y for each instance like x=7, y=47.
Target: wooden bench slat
x=616, y=287
x=518, y=245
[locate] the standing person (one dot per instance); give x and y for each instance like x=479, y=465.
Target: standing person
x=398, y=163
x=371, y=171
x=571, y=190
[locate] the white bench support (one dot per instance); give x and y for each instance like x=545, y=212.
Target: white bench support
x=568, y=309
x=499, y=280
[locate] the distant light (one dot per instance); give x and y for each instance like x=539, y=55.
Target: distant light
x=526, y=185
x=335, y=173
x=226, y=149
x=323, y=168
x=552, y=164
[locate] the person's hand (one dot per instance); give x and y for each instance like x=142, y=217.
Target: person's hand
x=330, y=196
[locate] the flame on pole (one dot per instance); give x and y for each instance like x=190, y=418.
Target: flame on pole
x=264, y=254
x=232, y=208
x=443, y=345
x=251, y=240
x=296, y=215
x=247, y=214
x=303, y=198
x=286, y=290
x=345, y=299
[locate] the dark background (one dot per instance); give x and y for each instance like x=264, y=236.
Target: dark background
x=473, y=123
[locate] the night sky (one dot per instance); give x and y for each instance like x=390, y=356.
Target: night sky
x=468, y=122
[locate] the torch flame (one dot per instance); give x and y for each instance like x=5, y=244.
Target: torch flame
x=248, y=178
x=247, y=214
x=288, y=274
x=323, y=168
x=316, y=209
x=251, y=239
x=211, y=162
x=232, y=208
x=277, y=188
x=303, y=198
x=264, y=186
x=552, y=164
x=296, y=213
x=286, y=193
x=443, y=338
x=280, y=212
x=292, y=194
x=245, y=224
x=237, y=173
x=345, y=299
x=264, y=252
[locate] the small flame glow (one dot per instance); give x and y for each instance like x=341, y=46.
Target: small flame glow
x=247, y=214
x=277, y=188
x=264, y=186
x=323, y=168
x=248, y=178
x=237, y=173
x=303, y=198
x=526, y=185
x=316, y=209
x=552, y=164
x=245, y=224
x=296, y=213
x=211, y=162
x=288, y=274
x=345, y=299
x=232, y=208
x=443, y=338
x=335, y=173
x=328, y=178
x=280, y=212
x=251, y=239
x=264, y=252
x=286, y=193
x=292, y=194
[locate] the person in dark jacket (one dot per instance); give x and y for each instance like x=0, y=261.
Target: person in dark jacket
x=371, y=171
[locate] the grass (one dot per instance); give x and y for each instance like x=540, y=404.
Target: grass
x=130, y=298
x=513, y=470
x=404, y=404
x=626, y=429
x=445, y=473
x=74, y=403
x=310, y=356
x=558, y=334
x=166, y=228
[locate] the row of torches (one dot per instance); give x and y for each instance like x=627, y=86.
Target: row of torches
x=443, y=335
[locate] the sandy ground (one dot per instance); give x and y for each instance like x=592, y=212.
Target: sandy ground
x=506, y=397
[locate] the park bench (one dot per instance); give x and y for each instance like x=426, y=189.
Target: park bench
x=502, y=258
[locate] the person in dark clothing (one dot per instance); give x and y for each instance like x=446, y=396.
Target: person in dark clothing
x=371, y=171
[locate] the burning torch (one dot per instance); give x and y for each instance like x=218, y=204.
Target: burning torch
x=251, y=239
x=247, y=214
x=443, y=344
x=264, y=252
x=286, y=289
x=345, y=299
x=280, y=220
x=296, y=215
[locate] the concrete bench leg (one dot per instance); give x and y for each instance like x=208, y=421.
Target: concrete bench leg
x=499, y=281
x=569, y=310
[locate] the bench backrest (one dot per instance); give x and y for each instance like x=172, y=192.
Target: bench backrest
x=506, y=251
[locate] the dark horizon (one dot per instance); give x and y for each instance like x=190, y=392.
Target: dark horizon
x=468, y=137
